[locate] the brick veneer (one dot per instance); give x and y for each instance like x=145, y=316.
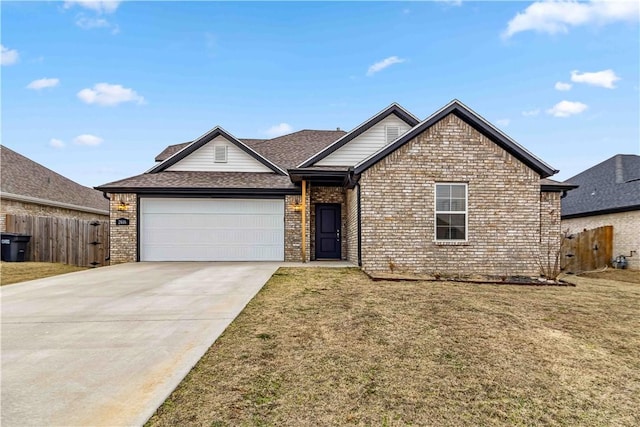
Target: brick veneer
x=292, y=229
x=351, y=233
x=397, y=206
x=626, y=232
x=14, y=207
x=123, y=237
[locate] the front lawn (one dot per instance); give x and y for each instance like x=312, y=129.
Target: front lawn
x=331, y=347
x=14, y=272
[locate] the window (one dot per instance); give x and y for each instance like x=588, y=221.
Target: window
x=220, y=154
x=392, y=132
x=451, y=212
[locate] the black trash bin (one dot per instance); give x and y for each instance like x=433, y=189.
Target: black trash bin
x=14, y=246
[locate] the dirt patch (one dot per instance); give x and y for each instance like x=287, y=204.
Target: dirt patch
x=332, y=347
x=631, y=276
x=15, y=272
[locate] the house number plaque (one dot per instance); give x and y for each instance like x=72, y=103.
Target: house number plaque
x=122, y=221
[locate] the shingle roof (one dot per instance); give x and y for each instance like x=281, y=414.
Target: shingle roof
x=23, y=177
x=613, y=185
x=208, y=137
x=286, y=151
x=290, y=150
x=202, y=180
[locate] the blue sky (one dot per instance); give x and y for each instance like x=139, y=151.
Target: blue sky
x=94, y=90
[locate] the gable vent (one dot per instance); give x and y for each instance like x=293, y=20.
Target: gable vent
x=393, y=132
x=220, y=154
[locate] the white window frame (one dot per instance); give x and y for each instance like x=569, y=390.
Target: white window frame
x=226, y=154
x=465, y=212
x=386, y=133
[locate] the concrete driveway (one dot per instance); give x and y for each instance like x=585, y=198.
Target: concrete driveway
x=107, y=346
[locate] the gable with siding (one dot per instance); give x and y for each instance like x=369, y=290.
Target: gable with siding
x=204, y=159
x=365, y=144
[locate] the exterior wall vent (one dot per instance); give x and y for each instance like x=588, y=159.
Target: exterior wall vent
x=392, y=133
x=220, y=154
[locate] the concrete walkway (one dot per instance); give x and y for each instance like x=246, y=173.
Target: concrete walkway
x=105, y=347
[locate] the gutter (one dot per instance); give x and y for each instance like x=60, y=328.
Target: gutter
x=45, y=202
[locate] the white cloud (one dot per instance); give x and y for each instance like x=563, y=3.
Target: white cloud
x=381, y=65
x=108, y=95
x=503, y=122
x=531, y=113
x=554, y=17
x=91, y=23
x=605, y=78
x=99, y=6
x=567, y=108
x=56, y=143
x=9, y=56
x=87, y=139
x=563, y=86
x=278, y=130
x=43, y=83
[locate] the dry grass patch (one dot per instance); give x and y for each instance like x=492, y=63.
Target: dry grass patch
x=631, y=276
x=14, y=272
x=331, y=347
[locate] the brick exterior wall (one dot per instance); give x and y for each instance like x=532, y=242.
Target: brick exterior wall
x=123, y=237
x=550, y=231
x=14, y=207
x=329, y=195
x=626, y=232
x=351, y=226
x=293, y=229
x=397, y=207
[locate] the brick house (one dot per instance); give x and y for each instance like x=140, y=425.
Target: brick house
x=28, y=188
x=608, y=194
x=449, y=194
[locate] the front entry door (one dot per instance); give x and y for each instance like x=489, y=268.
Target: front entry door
x=328, y=231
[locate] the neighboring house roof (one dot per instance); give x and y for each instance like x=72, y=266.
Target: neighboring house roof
x=207, y=137
x=474, y=120
x=608, y=187
x=24, y=180
x=394, y=108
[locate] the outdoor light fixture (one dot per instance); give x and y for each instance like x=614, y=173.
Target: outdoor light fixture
x=122, y=206
x=297, y=207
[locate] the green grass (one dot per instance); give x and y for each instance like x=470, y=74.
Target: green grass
x=331, y=347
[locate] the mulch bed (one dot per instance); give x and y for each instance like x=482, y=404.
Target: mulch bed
x=490, y=280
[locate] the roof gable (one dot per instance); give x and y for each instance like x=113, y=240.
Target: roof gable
x=474, y=120
x=610, y=186
x=205, y=139
x=394, y=108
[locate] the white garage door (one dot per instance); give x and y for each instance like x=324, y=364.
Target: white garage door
x=211, y=229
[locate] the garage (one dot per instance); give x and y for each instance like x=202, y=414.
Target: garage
x=191, y=229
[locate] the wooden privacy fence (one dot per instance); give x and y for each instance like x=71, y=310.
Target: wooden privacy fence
x=588, y=250
x=65, y=240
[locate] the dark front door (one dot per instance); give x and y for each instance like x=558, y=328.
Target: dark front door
x=328, y=231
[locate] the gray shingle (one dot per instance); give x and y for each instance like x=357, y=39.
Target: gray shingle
x=24, y=177
x=611, y=185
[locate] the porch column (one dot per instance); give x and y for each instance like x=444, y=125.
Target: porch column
x=303, y=247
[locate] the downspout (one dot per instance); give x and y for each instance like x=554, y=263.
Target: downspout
x=108, y=257
x=303, y=246
x=104, y=194
x=359, y=229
